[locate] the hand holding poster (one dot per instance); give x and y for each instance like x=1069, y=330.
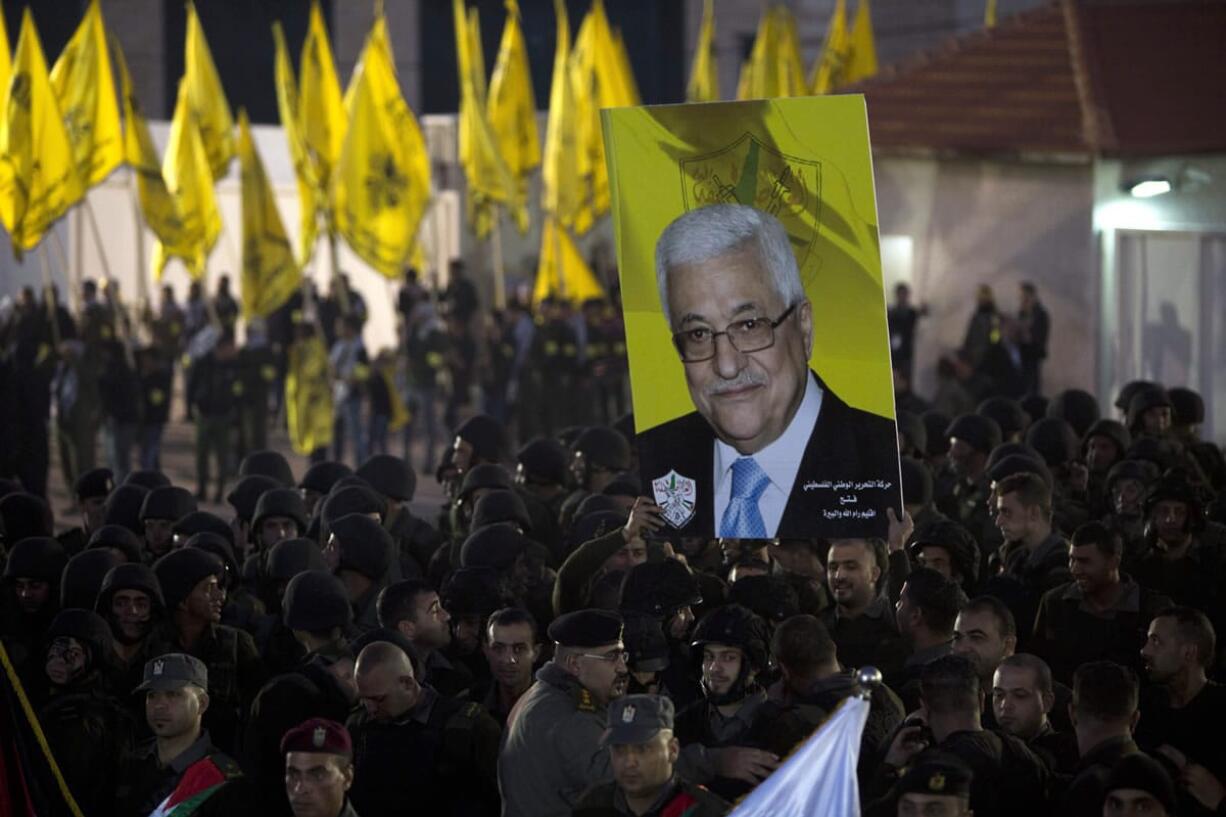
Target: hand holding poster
x=755, y=316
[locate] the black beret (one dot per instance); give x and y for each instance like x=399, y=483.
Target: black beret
x=501, y=506
x=203, y=522
x=285, y=502
x=496, y=546
x=170, y=502
x=118, y=537
x=916, y=482
x=912, y=427
x=25, y=515
x=148, y=479
x=935, y=423
x=1076, y=407
x=181, y=570
x=247, y=492
x=1018, y=464
x=605, y=447
x=544, y=460
x=486, y=475
x=82, y=577
x=1140, y=771
x=977, y=431
x=315, y=601
x=390, y=476
x=586, y=628
x=1187, y=406
x=130, y=576
x=84, y=625
x=771, y=597
x=936, y=774
x=1006, y=413
x=486, y=435
x=270, y=464
x=321, y=476
x=95, y=483
x=364, y=546
x=123, y=507
x=1112, y=430
x=1054, y=439
x=349, y=500
x=289, y=557
x=659, y=588
x=36, y=557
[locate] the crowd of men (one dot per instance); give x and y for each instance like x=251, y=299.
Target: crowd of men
x=1043, y=611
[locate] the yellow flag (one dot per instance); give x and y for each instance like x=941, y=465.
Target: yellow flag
x=185, y=167
x=38, y=177
x=85, y=89
x=321, y=109
x=790, y=67
x=832, y=62
x=704, y=74
x=308, y=395
x=309, y=187
x=511, y=107
x=989, y=14
x=560, y=185
x=207, y=98
x=270, y=272
x=381, y=184
x=862, y=62
x=6, y=64
x=570, y=278
x=774, y=68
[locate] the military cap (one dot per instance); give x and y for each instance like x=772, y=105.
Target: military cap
x=645, y=641
x=735, y=626
x=637, y=719
x=627, y=483
x=1187, y=406
x=219, y=546
x=604, y=447
x=270, y=464
x=285, y=502
x=1124, y=396
x=318, y=736
x=87, y=626
x=95, y=483
x=1018, y=464
x=25, y=515
x=117, y=537
x=977, y=431
x=147, y=479
x=82, y=577
x=496, y=546
x=544, y=460
x=1141, y=772
x=123, y=506
x=349, y=500
x=181, y=570
x=129, y=576
x=936, y=774
x=364, y=546
x=501, y=506
x=1054, y=439
x=659, y=588
x=586, y=628
x=1005, y=412
x=174, y=670
x=247, y=492
x=916, y=482
x=1170, y=488
x=289, y=557
x=36, y=557
x=912, y=427
x=203, y=522
x=1144, y=399
x=390, y=476
x=1076, y=407
x=486, y=435
x=770, y=597
x=170, y=502
x=938, y=441
x=1111, y=429
x=321, y=476
x=1142, y=471
x=315, y=601
x=485, y=475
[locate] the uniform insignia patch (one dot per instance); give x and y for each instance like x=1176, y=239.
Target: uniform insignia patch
x=158, y=666
x=676, y=495
x=936, y=783
x=628, y=715
x=319, y=737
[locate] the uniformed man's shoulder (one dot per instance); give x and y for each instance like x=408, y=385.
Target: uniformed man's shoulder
x=709, y=803
x=225, y=764
x=597, y=801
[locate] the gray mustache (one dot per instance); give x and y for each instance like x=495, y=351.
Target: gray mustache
x=743, y=379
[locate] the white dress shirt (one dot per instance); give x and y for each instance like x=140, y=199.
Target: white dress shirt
x=780, y=461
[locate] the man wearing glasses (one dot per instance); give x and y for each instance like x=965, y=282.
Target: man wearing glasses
x=551, y=749
x=771, y=450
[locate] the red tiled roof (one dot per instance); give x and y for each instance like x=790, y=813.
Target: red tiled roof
x=1136, y=78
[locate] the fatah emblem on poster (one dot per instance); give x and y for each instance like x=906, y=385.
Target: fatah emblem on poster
x=755, y=316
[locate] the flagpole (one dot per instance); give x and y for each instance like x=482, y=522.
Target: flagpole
x=500, y=280
x=341, y=289
x=142, y=285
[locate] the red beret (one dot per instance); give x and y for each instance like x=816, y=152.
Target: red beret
x=318, y=735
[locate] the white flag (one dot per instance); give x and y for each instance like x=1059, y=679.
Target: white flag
x=819, y=778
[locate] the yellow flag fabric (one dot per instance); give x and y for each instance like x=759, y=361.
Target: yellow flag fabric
x=805, y=160
x=309, y=187
x=270, y=272
x=381, y=185
x=989, y=14
x=862, y=61
x=774, y=68
x=831, y=64
x=511, y=108
x=562, y=272
x=560, y=192
x=185, y=167
x=704, y=73
x=6, y=61
x=308, y=396
x=400, y=415
x=38, y=177
x=207, y=98
x=321, y=108
x=85, y=88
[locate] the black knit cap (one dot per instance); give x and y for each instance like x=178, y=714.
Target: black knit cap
x=287, y=558
x=1141, y=772
x=123, y=507
x=1076, y=407
x=36, y=557
x=285, y=502
x=218, y=546
x=501, y=506
x=24, y=515
x=321, y=476
x=131, y=576
x=390, y=476
x=82, y=577
x=938, y=441
x=179, y=572
x=659, y=588
x=544, y=460
x=586, y=628
x=119, y=538
x=486, y=475
x=270, y=464
x=247, y=492
x=171, y=502
x=94, y=483
x=977, y=431
x=916, y=482
x=1054, y=439
x=605, y=447
x=496, y=546
x=912, y=427
x=486, y=435
x=147, y=479
x=364, y=546
x=1005, y=412
x=203, y=522
x=348, y=500
x=315, y=601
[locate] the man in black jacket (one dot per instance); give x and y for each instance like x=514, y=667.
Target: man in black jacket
x=210, y=401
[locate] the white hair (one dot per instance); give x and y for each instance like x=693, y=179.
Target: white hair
x=719, y=229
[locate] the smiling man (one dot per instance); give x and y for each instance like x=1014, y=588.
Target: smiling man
x=765, y=451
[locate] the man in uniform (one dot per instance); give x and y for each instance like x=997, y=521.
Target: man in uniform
x=938, y=785
x=643, y=755
x=551, y=750
x=130, y=600
x=861, y=620
x=511, y=649
x=986, y=634
x=210, y=402
x=318, y=769
x=91, y=489
x=971, y=439
x=394, y=481
x=413, y=608
x=160, y=510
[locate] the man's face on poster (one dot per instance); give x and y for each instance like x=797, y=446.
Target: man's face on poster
x=748, y=397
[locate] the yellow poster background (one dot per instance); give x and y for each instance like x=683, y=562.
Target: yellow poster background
x=806, y=161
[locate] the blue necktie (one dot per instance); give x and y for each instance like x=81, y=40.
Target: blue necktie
x=742, y=520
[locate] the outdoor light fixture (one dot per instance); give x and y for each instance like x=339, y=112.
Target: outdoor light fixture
x=1148, y=188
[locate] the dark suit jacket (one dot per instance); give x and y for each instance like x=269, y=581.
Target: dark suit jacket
x=847, y=445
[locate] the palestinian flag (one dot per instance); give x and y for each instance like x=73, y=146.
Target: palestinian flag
x=198, y=783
